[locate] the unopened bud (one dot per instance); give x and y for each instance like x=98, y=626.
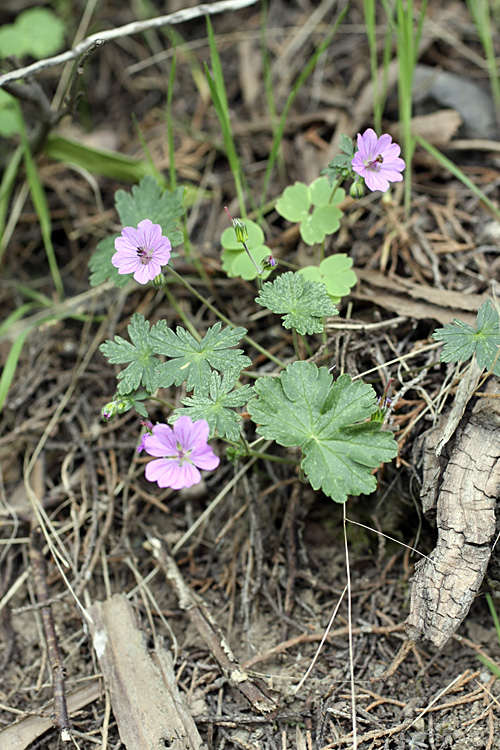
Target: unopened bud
x=118, y=406
x=357, y=190
x=269, y=262
x=240, y=228
x=159, y=281
x=108, y=411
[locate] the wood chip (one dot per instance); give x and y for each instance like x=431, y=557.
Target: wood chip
x=146, y=701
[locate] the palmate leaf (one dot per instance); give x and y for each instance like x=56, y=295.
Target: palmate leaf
x=339, y=448
x=295, y=204
x=216, y=403
x=192, y=361
x=461, y=340
x=148, y=201
x=140, y=353
x=335, y=273
x=302, y=303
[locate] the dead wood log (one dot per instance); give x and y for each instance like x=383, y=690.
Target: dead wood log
x=462, y=488
x=146, y=701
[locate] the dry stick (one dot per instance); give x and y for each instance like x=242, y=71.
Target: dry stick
x=208, y=629
x=137, y=27
x=60, y=716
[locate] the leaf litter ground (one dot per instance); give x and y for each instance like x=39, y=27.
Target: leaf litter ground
x=268, y=561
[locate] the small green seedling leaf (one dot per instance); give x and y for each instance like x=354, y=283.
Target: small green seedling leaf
x=302, y=303
x=461, y=340
x=335, y=272
x=340, y=448
x=216, y=401
x=297, y=200
x=140, y=353
x=37, y=32
x=235, y=260
x=192, y=361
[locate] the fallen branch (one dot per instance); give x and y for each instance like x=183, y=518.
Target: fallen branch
x=137, y=27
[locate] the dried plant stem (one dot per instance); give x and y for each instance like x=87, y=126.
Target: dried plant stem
x=137, y=27
x=60, y=716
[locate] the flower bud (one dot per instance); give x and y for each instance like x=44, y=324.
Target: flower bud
x=108, y=411
x=240, y=228
x=159, y=281
x=269, y=262
x=357, y=190
x=117, y=406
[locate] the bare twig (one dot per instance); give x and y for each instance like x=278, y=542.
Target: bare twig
x=137, y=27
x=60, y=716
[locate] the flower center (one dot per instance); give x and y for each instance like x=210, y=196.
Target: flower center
x=182, y=455
x=144, y=255
x=374, y=164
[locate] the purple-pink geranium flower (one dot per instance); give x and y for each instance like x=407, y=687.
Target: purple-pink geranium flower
x=142, y=251
x=180, y=452
x=377, y=160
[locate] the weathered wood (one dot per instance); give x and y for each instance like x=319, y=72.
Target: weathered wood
x=146, y=702
x=463, y=489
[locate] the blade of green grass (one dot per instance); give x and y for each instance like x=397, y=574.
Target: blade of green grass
x=218, y=93
x=7, y=186
x=268, y=81
x=457, y=172
x=481, y=15
x=494, y=615
x=170, y=131
x=95, y=160
x=41, y=206
x=291, y=98
x=9, y=368
x=379, y=92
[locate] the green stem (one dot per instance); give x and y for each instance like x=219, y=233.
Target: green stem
x=180, y=312
x=222, y=317
x=335, y=188
x=296, y=343
x=276, y=459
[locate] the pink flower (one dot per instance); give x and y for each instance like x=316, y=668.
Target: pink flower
x=377, y=160
x=180, y=451
x=142, y=251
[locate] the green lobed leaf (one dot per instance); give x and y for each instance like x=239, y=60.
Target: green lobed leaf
x=335, y=272
x=216, y=401
x=462, y=341
x=346, y=145
x=323, y=220
x=321, y=193
x=295, y=202
x=328, y=421
x=139, y=352
x=302, y=303
x=37, y=32
x=148, y=201
x=192, y=361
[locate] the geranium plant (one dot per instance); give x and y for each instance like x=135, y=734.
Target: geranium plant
x=335, y=423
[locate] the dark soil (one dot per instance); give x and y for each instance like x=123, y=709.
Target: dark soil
x=269, y=561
